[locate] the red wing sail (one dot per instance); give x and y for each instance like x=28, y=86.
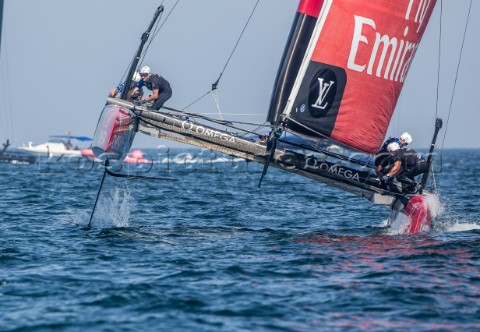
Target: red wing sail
x=354, y=69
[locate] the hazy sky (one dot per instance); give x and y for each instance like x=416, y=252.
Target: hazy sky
x=60, y=58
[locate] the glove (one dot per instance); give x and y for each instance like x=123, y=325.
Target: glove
x=140, y=102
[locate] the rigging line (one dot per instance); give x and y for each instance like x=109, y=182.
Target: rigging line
x=438, y=78
x=433, y=185
x=199, y=142
x=326, y=137
x=196, y=100
x=259, y=126
x=263, y=125
x=238, y=114
x=222, y=122
x=225, y=123
x=154, y=34
x=141, y=56
x=238, y=41
x=166, y=18
x=150, y=40
x=308, y=145
x=216, y=97
x=123, y=79
x=126, y=71
x=313, y=147
x=215, y=85
x=456, y=74
x=157, y=29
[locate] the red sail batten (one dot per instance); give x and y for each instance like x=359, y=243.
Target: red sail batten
x=310, y=7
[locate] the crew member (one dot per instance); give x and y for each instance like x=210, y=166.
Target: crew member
x=133, y=93
x=388, y=164
x=413, y=164
x=404, y=165
x=161, y=90
x=405, y=139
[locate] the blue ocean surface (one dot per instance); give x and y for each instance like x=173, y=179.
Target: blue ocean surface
x=213, y=252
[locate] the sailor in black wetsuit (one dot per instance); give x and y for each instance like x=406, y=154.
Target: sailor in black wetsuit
x=161, y=90
x=402, y=164
x=388, y=164
x=404, y=140
x=384, y=153
x=413, y=164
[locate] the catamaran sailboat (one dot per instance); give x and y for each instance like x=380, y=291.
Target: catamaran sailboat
x=335, y=93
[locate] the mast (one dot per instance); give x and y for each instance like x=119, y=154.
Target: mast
x=144, y=39
x=438, y=126
x=116, y=128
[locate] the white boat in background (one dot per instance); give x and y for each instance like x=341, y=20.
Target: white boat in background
x=57, y=146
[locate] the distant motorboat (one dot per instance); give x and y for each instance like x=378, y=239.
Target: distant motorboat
x=51, y=149
x=57, y=146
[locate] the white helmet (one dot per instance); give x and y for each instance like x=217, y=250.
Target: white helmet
x=136, y=76
x=406, y=137
x=145, y=70
x=394, y=146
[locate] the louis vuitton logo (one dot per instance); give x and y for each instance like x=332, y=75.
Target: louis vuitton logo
x=324, y=88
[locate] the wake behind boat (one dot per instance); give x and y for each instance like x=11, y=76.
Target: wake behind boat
x=335, y=93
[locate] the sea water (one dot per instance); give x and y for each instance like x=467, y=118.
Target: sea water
x=211, y=251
